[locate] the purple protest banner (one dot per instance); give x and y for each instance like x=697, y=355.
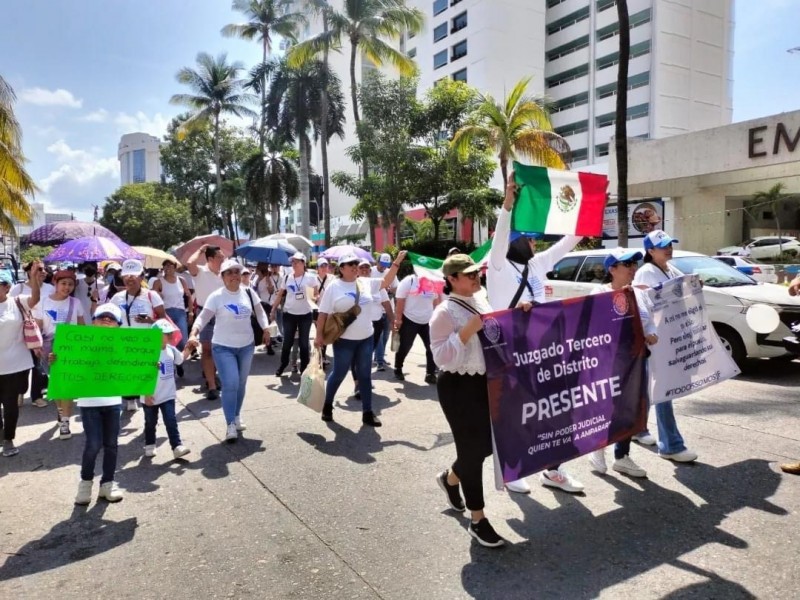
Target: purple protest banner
x=564, y=379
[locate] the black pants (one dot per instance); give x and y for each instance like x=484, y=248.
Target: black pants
x=465, y=403
x=622, y=448
x=39, y=380
x=291, y=325
x=408, y=331
x=11, y=386
x=267, y=310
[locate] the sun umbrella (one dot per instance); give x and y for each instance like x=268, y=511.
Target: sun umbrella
x=303, y=244
x=153, y=257
x=63, y=231
x=276, y=252
x=92, y=249
x=337, y=252
x=184, y=251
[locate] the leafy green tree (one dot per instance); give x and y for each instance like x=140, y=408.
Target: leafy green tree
x=15, y=182
x=774, y=198
x=34, y=253
x=148, y=214
x=271, y=178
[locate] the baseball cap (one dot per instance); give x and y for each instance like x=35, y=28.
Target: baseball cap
x=113, y=265
x=385, y=259
x=64, y=274
x=165, y=326
x=348, y=258
x=658, y=239
x=230, y=264
x=132, y=267
x=5, y=277
x=515, y=235
x=322, y=262
x=363, y=262
x=108, y=310
x=459, y=263
x=299, y=256
x=621, y=255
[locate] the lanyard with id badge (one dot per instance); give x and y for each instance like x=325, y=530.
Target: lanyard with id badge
x=300, y=294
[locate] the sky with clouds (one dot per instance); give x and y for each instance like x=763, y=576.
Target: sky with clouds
x=87, y=71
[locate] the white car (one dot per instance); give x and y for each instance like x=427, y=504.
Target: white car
x=728, y=294
x=763, y=247
x=748, y=266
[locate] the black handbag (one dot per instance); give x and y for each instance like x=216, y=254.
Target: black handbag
x=258, y=332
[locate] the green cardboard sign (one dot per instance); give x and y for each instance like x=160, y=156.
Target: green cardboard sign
x=103, y=361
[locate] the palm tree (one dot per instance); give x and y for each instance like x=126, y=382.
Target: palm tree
x=271, y=178
x=520, y=127
x=774, y=198
x=217, y=91
x=15, y=183
x=265, y=19
x=621, y=122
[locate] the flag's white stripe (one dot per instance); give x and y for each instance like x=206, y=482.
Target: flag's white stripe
x=559, y=220
x=433, y=274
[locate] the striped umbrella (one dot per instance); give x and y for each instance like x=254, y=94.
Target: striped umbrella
x=95, y=249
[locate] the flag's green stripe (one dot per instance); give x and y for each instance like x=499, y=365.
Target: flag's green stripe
x=533, y=204
x=478, y=254
x=425, y=261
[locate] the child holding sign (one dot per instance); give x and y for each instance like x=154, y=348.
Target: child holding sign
x=163, y=399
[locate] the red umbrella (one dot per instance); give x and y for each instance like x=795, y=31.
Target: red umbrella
x=184, y=251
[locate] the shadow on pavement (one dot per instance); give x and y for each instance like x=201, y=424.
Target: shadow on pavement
x=775, y=371
x=569, y=553
x=356, y=446
x=83, y=535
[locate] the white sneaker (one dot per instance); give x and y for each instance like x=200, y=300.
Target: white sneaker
x=645, y=439
x=627, y=466
x=520, y=486
x=684, y=456
x=180, y=451
x=561, y=479
x=84, y=492
x=110, y=491
x=150, y=451
x=597, y=460
x=231, y=435
x=131, y=406
x=239, y=425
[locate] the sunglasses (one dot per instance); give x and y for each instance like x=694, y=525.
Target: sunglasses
x=474, y=275
x=629, y=263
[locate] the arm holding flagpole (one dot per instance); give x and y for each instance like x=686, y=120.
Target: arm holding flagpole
x=497, y=255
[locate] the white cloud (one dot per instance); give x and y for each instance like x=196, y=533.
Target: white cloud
x=155, y=125
x=42, y=97
x=96, y=116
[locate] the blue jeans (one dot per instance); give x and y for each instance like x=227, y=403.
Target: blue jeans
x=170, y=423
x=101, y=428
x=380, y=347
x=178, y=316
x=233, y=366
x=670, y=440
x=346, y=353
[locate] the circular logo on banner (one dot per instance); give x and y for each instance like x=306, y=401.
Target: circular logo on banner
x=677, y=290
x=491, y=328
x=422, y=259
x=567, y=199
x=620, y=304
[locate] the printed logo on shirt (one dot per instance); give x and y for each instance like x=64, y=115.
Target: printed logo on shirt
x=361, y=300
x=240, y=311
x=167, y=368
x=292, y=287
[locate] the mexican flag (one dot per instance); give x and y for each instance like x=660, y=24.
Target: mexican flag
x=429, y=271
x=558, y=202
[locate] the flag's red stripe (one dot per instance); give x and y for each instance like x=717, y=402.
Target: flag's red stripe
x=590, y=217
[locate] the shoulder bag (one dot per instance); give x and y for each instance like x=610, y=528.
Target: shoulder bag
x=336, y=323
x=258, y=332
x=30, y=330
x=522, y=285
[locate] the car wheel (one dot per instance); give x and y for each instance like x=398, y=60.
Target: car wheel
x=732, y=343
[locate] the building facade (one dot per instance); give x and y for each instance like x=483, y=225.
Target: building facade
x=139, y=157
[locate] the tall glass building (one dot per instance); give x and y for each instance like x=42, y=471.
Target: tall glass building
x=139, y=158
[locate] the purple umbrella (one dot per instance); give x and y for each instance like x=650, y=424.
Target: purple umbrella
x=337, y=252
x=92, y=249
x=63, y=231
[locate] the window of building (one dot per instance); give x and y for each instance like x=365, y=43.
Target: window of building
x=640, y=18
x=460, y=75
x=439, y=6
x=138, y=166
x=580, y=154
x=565, y=49
x=440, y=32
x=565, y=76
x=440, y=59
x=611, y=30
x=604, y=62
x=604, y=4
x=454, y=2
x=412, y=53
x=459, y=22
x=601, y=150
x=634, y=112
x=567, y=21
x=552, y=3
x=635, y=81
x=573, y=128
x=570, y=102
x=459, y=50
x=640, y=49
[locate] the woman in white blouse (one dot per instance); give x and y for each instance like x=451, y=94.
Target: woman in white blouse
x=233, y=345
x=463, y=393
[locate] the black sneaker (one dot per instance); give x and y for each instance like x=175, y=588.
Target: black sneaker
x=179, y=370
x=369, y=418
x=381, y=367
x=398, y=374
x=485, y=534
x=280, y=371
x=453, y=492
x=430, y=378
x=327, y=414
x=270, y=351
x=294, y=370
x=357, y=395
x=212, y=395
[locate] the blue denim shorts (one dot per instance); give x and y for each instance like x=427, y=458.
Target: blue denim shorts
x=207, y=332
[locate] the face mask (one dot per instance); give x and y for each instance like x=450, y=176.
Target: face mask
x=110, y=278
x=90, y=272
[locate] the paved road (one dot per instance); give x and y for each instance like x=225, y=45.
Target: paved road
x=302, y=509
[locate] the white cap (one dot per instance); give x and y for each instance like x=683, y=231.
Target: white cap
x=348, y=258
x=132, y=267
x=322, y=262
x=165, y=326
x=299, y=256
x=385, y=259
x=230, y=264
x=108, y=309
x=363, y=262
x=113, y=265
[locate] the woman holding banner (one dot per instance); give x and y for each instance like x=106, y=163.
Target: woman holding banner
x=516, y=277
x=621, y=265
x=656, y=270
x=463, y=391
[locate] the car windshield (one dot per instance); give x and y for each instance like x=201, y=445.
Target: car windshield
x=712, y=272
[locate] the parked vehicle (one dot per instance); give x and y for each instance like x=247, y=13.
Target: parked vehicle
x=748, y=266
x=763, y=247
x=728, y=294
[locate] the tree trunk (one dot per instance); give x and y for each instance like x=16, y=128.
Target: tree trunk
x=326, y=194
x=217, y=161
x=262, y=134
x=398, y=229
x=305, y=200
x=436, y=224
x=504, y=171
x=276, y=217
x=621, y=125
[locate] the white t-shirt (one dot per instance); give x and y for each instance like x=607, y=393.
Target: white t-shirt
x=143, y=304
x=379, y=275
x=232, y=311
x=52, y=312
x=165, y=387
x=171, y=293
x=419, y=304
x=23, y=288
x=14, y=354
x=376, y=306
x=99, y=401
x=340, y=296
x=82, y=290
x=644, y=304
x=298, y=300
x=651, y=275
x=205, y=282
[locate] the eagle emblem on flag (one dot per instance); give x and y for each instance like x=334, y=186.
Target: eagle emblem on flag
x=567, y=199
